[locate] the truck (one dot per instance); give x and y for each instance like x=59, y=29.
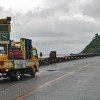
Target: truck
x=16, y=58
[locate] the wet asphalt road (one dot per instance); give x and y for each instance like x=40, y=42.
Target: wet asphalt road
x=73, y=80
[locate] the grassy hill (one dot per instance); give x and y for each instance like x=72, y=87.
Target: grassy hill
x=93, y=46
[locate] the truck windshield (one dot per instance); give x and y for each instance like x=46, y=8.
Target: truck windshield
x=35, y=53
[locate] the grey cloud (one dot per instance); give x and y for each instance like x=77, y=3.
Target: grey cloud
x=49, y=12
x=92, y=8
x=55, y=3
x=55, y=27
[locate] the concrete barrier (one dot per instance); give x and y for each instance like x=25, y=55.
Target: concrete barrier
x=52, y=60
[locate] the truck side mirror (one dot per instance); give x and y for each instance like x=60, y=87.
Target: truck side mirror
x=41, y=54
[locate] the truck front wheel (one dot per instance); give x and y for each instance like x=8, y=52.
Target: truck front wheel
x=33, y=72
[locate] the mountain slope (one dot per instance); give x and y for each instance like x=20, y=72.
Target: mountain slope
x=93, y=46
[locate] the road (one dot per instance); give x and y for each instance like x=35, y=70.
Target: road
x=72, y=80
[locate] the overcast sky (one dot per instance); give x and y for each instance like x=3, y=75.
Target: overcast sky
x=66, y=26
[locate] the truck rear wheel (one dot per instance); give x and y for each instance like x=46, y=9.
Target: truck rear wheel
x=15, y=76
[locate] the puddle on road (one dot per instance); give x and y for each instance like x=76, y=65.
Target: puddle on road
x=51, y=70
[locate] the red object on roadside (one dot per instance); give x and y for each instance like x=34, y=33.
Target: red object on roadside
x=65, y=57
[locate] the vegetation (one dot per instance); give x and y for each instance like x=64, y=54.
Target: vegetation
x=93, y=46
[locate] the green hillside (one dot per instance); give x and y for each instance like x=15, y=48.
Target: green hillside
x=93, y=46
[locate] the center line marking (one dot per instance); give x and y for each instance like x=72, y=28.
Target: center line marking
x=46, y=84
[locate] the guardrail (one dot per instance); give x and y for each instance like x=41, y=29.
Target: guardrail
x=52, y=60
